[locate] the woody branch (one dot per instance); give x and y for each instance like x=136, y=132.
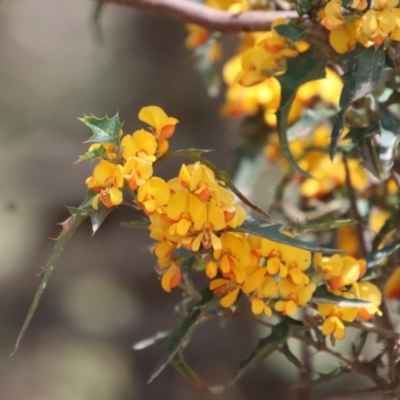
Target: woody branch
x=207, y=17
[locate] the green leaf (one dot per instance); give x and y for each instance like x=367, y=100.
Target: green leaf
x=389, y=62
x=274, y=341
x=183, y=368
x=98, y=152
x=105, y=130
x=184, y=331
x=68, y=228
x=323, y=295
x=274, y=233
x=304, y=68
x=390, y=138
x=308, y=122
x=151, y=341
x=364, y=69
x=96, y=216
x=378, y=256
x=322, y=226
x=290, y=31
x=194, y=154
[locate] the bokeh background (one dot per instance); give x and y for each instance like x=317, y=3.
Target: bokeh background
x=103, y=295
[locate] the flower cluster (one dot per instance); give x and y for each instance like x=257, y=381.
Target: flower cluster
x=130, y=164
x=371, y=27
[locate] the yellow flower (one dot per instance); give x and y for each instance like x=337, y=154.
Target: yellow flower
x=377, y=25
x=333, y=18
x=344, y=39
x=163, y=126
x=368, y=292
x=153, y=195
x=137, y=171
x=392, y=287
x=360, y=4
x=227, y=289
x=110, y=149
x=171, y=278
x=107, y=179
x=140, y=144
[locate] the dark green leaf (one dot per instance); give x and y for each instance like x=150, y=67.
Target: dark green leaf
x=105, y=130
x=364, y=69
x=274, y=341
x=68, y=228
x=184, y=331
x=151, y=341
x=274, y=233
x=378, y=256
x=142, y=224
x=98, y=152
x=304, y=68
x=290, y=31
x=322, y=226
x=96, y=216
x=323, y=295
x=389, y=62
x=194, y=154
x=390, y=138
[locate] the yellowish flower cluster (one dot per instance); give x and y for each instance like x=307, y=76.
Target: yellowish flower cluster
x=131, y=165
x=327, y=174
x=373, y=27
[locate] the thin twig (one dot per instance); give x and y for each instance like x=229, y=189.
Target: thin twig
x=207, y=17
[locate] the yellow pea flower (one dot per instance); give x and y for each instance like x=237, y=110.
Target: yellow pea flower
x=392, y=287
x=227, y=289
x=153, y=195
x=171, y=278
x=369, y=292
x=163, y=126
x=137, y=171
x=140, y=144
x=377, y=25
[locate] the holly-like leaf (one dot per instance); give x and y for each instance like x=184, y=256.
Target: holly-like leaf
x=364, y=69
x=290, y=31
x=195, y=155
x=274, y=341
x=304, y=68
x=184, y=331
x=96, y=216
x=274, y=233
x=69, y=226
x=323, y=295
x=323, y=226
x=98, y=152
x=105, y=130
x=378, y=256
x=390, y=138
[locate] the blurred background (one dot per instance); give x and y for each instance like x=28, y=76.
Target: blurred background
x=103, y=295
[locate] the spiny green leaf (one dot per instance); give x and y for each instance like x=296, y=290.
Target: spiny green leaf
x=323, y=295
x=105, y=130
x=96, y=216
x=290, y=31
x=390, y=138
x=151, y=341
x=194, y=154
x=364, y=69
x=322, y=226
x=274, y=341
x=183, y=368
x=274, y=233
x=185, y=329
x=68, y=228
x=98, y=152
x=308, y=122
x=304, y=68
x=378, y=256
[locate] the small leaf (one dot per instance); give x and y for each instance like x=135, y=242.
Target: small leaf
x=390, y=138
x=323, y=295
x=322, y=226
x=304, y=68
x=105, y=130
x=364, y=69
x=151, y=341
x=274, y=233
x=183, y=368
x=68, y=228
x=378, y=256
x=290, y=31
x=274, y=341
x=185, y=329
x=96, y=216
x=98, y=152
